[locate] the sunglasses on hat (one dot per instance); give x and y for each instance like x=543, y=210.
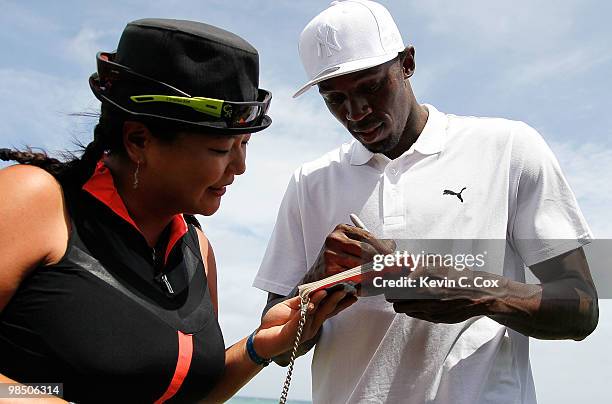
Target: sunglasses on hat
x=217, y=113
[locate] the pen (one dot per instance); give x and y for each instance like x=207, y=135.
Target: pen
x=357, y=222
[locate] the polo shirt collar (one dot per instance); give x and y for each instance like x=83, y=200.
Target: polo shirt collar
x=430, y=141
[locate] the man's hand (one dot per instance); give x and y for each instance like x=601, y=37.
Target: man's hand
x=346, y=247
x=443, y=294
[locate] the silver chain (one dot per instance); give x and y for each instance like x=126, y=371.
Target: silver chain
x=296, y=344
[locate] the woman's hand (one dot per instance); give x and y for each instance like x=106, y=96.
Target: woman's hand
x=278, y=328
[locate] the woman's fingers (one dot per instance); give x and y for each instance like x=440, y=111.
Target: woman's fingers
x=325, y=309
x=294, y=303
x=331, y=304
x=344, y=303
x=317, y=296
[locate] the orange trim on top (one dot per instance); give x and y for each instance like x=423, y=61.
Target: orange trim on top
x=185, y=353
x=102, y=187
x=177, y=230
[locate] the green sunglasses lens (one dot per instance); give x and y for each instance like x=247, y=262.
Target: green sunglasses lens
x=234, y=114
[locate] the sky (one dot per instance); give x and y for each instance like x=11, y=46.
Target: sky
x=543, y=62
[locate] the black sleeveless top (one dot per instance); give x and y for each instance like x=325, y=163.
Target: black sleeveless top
x=115, y=320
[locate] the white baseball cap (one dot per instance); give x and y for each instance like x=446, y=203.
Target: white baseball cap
x=350, y=35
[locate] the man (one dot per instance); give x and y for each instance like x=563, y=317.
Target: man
x=413, y=172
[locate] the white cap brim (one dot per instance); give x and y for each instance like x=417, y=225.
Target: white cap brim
x=346, y=68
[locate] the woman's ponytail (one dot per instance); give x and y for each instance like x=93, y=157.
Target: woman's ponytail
x=29, y=157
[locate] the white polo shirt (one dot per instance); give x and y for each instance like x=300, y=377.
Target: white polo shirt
x=514, y=191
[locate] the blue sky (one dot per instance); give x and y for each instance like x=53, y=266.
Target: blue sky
x=547, y=63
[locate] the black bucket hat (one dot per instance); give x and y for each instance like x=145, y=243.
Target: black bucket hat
x=186, y=72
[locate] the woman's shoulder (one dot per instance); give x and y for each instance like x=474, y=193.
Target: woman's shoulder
x=204, y=244
x=210, y=267
x=33, y=206
x=31, y=188
x=28, y=176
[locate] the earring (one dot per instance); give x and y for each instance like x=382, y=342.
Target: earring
x=135, y=184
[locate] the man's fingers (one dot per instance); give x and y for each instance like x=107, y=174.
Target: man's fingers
x=340, y=261
x=435, y=311
x=352, y=232
x=352, y=240
x=358, y=249
x=446, y=318
x=380, y=246
x=383, y=246
x=420, y=305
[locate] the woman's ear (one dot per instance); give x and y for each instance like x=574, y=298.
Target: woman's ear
x=136, y=139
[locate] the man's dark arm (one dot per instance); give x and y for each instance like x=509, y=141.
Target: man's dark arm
x=563, y=306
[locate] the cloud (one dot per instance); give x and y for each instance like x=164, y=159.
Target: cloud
x=566, y=63
x=498, y=26
x=82, y=47
x=510, y=50
x=572, y=372
x=37, y=107
x=18, y=17
x=587, y=167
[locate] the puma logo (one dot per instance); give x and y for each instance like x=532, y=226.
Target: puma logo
x=457, y=194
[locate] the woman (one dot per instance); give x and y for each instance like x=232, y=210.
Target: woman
x=107, y=284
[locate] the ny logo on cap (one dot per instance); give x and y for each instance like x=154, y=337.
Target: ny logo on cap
x=327, y=39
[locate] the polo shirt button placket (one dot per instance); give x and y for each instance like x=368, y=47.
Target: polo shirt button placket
x=393, y=206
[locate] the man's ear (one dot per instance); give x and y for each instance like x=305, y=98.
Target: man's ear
x=407, y=61
x=136, y=139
